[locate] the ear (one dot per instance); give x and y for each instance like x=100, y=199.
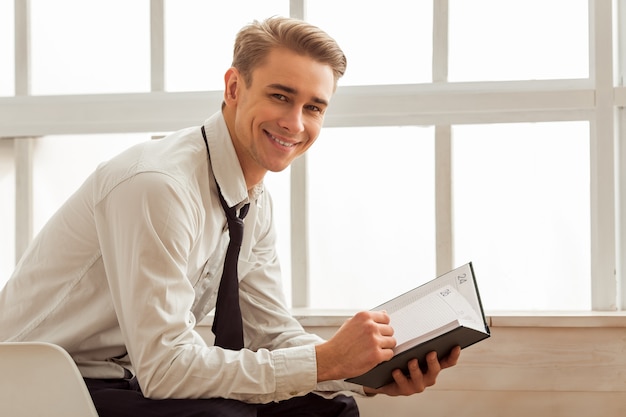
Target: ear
x=231, y=83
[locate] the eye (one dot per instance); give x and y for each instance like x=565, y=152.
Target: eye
x=314, y=108
x=279, y=96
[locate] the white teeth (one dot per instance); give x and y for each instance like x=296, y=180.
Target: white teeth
x=289, y=145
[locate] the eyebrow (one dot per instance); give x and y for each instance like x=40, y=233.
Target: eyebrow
x=292, y=90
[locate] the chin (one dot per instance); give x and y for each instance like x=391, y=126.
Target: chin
x=278, y=169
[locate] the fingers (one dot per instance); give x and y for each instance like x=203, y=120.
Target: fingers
x=387, y=341
x=385, y=330
x=451, y=359
x=361, y=343
x=378, y=322
x=380, y=317
x=434, y=367
x=417, y=381
x=414, y=383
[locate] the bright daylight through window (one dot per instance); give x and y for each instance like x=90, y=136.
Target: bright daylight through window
x=520, y=188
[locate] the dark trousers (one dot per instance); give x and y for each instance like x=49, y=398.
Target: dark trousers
x=121, y=397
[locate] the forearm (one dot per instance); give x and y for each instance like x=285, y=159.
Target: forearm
x=196, y=371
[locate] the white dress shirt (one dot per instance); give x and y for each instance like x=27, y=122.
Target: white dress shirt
x=122, y=272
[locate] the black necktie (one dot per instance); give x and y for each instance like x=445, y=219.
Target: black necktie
x=227, y=324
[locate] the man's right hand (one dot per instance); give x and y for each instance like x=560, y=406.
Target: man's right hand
x=361, y=343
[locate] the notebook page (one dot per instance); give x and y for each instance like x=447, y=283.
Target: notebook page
x=461, y=279
x=416, y=322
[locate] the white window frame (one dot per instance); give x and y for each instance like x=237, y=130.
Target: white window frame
x=599, y=99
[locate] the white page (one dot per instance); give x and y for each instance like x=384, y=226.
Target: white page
x=422, y=319
x=461, y=279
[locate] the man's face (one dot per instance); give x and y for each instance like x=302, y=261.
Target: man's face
x=279, y=116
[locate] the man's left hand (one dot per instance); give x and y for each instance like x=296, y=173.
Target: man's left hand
x=417, y=381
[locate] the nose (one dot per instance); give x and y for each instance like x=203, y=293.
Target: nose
x=291, y=120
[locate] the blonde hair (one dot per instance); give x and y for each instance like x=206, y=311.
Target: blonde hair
x=254, y=42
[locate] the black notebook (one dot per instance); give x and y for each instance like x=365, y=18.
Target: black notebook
x=436, y=316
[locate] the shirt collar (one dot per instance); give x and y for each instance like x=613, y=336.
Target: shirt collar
x=225, y=164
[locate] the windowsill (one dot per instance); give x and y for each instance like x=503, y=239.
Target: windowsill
x=557, y=319
x=309, y=317
x=335, y=318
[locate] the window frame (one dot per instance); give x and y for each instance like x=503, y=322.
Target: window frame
x=599, y=99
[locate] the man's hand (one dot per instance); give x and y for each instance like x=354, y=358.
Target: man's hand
x=417, y=381
x=361, y=343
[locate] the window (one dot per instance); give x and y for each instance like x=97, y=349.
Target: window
x=507, y=160
x=7, y=209
x=385, y=44
x=90, y=47
x=279, y=186
x=371, y=207
x=199, y=39
x=7, y=42
x=493, y=40
x=521, y=213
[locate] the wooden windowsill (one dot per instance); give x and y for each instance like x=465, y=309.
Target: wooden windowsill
x=335, y=318
x=324, y=318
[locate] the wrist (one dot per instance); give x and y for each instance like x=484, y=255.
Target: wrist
x=326, y=369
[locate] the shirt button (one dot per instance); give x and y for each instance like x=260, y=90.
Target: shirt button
x=293, y=393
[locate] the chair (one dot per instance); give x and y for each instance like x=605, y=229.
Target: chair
x=40, y=379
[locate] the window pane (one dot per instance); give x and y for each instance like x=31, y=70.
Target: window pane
x=199, y=39
x=90, y=47
x=62, y=163
x=521, y=194
x=7, y=45
x=371, y=214
x=518, y=40
x=7, y=210
x=389, y=43
x=279, y=185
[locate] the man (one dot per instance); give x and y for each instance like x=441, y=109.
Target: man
x=122, y=272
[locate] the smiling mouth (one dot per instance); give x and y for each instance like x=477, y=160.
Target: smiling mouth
x=280, y=142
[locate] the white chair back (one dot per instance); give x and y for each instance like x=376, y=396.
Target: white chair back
x=41, y=379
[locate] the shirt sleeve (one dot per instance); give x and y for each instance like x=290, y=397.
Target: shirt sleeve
x=268, y=323
x=147, y=226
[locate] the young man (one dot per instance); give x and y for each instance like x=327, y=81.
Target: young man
x=122, y=272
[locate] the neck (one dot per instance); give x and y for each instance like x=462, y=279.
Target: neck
x=251, y=170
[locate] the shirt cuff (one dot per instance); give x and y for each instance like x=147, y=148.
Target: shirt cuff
x=296, y=371
x=331, y=389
